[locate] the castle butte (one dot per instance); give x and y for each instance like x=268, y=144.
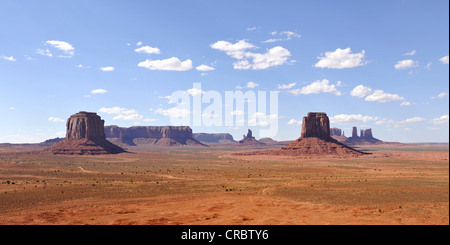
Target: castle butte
x=85, y=135
x=365, y=137
x=315, y=140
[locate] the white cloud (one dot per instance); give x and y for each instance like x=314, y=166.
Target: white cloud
x=12, y=108
x=351, y=119
x=273, y=57
x=10, y=58
x=405, y=103
x=55, y=119
x=234, y=50
x=170, y=64
x=404, y=64
x=45, y=52
x=204, y=68
x=399, y=124
x=237, y=113
x=249, y=60
x=286, y=86
x=261, y=119
x=252, y=85
x=413, y=120
x=412, y=52
x=129, y=117
x=440, y=96
x=294, y=122
x=83, y=67
x=98, y=91
x=441, y=120
x=195, y=91
x=272, y=40
x=122, y=113
x=361, y=91
x=147, y=50
x=340, y=59
x=428, y=66
x=318, y=86
x=380, y=96
x=107, y=68
x=444, y=60
x=288, y=35
x=117, y=110
x=433, y=128
x=173, y=112
x=139, y=43
x=66, y=47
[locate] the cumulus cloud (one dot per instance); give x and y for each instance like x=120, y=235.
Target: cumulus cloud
x=170, y=64
x=361, y=91
x=411, y=53
x=65, y=47
x=286, y=86
x=107, y=68
x=252, y=85
x=399, y=124
x=147, y=50
x=441, y=120
x=10, y=58
x=440, y=95
x=286, y=35
x=55, y=119
x=173, y=112
x=45, y=52
x=405, y=103
x=204, y=68
x=248, y=60
x=351, y=119
x=404, y=64
x=98, y=91
x=122, y=113
x=380, y=96
x=340, y=59
x=130, y=117
x=319, y=86
x=444, y=60
x=294, y=122
x=261, y=119
x=195, y=91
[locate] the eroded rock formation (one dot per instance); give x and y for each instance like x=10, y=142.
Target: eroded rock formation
x=85, y=135
x=315, y=140
x=365, y=138
x=249, y=140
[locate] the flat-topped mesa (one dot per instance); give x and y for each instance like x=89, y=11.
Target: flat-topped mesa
x=316, y=124
x=85, y=125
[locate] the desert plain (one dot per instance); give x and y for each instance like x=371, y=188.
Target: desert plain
x=395, y=185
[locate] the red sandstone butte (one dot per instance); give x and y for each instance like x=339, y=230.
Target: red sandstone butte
x=85, y=135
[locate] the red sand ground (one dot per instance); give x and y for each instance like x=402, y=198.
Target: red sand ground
x=212, y=186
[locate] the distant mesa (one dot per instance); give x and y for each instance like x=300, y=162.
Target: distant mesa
x=315, y=140
x=85, y=135
x=214, y=138
x=152, y=135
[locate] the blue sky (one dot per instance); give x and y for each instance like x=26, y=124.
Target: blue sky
x=371, y=64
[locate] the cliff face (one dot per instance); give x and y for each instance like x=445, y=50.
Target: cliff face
x=214, y=138
x=85, y=135
x=316, y=124
x=155, y=135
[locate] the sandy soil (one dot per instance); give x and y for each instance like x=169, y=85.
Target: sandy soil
x=197, y=186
